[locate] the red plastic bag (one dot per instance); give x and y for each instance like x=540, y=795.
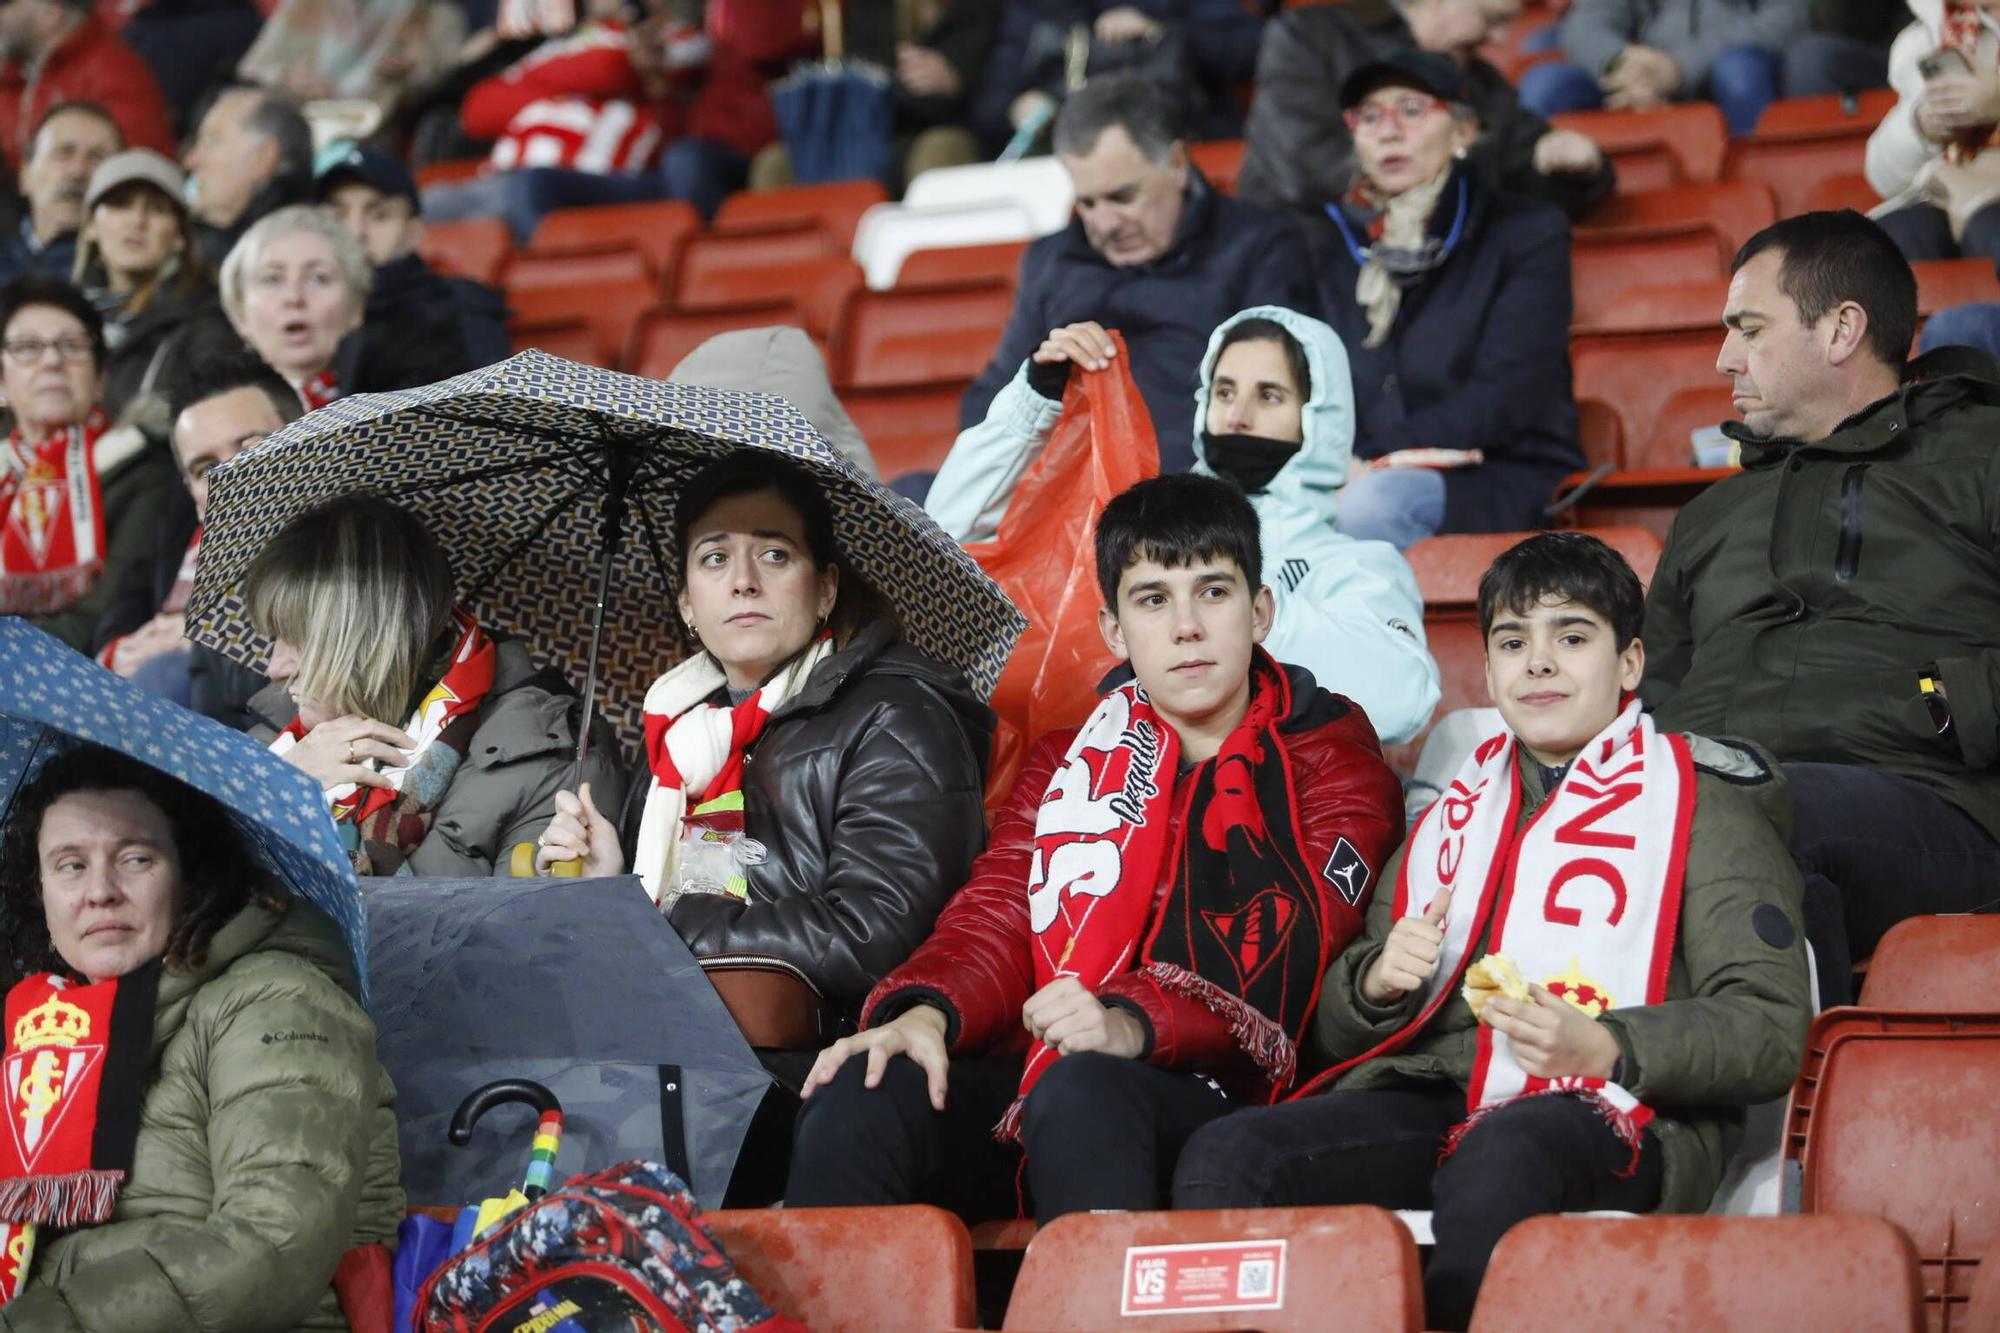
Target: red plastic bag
x=1043, y=557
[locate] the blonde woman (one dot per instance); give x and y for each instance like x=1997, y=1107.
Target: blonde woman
x=294, y=287
x=438, y=743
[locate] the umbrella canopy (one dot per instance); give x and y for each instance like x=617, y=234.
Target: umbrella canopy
x=51, y=697
x=579, y=985
x=532, y=472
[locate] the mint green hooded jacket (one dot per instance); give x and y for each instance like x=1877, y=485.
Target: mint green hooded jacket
x=1347, y=610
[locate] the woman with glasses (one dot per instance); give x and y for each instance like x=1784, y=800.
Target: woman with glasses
x=1453, y=299
x=79, y=499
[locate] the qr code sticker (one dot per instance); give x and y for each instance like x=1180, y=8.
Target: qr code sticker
x=1255, y=1278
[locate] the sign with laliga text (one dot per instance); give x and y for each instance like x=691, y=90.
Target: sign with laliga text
x=1184, y=1279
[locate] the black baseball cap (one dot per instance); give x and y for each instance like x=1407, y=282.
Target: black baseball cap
x=1427, y=71
x=371, y=166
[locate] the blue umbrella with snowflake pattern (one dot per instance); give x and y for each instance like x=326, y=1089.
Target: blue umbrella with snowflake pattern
x=52, y=697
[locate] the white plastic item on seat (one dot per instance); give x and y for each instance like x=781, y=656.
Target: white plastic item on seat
x=1038, y=184
x=890, y=233
x=1417, y=1221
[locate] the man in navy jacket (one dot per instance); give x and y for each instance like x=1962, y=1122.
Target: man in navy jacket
x=1155, y=252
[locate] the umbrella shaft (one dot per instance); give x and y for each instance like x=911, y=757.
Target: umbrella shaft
x=610, y=537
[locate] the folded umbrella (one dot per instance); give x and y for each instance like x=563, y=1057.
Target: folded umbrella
x=836, y=115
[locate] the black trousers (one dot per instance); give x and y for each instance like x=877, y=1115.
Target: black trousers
x=1539, y=1155
x=1098, y=1131
x=1876, y=847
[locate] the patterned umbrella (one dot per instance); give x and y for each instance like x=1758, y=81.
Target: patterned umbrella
x=552, y=486
x=51, y=697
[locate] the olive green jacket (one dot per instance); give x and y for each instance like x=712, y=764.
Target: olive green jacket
x=1732, y=1029
x=266, y=1149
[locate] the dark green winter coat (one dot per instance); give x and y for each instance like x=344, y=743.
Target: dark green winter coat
x=1797, y=601
x=1732, y=1029
x=266, y=1150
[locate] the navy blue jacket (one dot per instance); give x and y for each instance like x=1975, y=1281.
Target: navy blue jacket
x=1478, y=357
x=20, y=256
x=1226, y=255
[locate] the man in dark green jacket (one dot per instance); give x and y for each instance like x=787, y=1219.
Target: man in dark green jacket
x=1839, y=600
x=1621, y=1096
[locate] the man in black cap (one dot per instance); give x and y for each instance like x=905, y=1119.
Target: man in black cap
x=373, y=195
x=1299, y=154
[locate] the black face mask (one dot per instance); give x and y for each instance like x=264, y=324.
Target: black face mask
x=1251, y=461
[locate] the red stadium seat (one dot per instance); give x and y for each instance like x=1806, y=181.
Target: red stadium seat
x=819, y=287
x=448, y=171
x=1449, y=568
x=1791, y=115
x=1982, y=1313
x=1599, y=433
x=907, y=429
x=1735, y=210
x=1635, y=373
x=571, y=338
x=926, y=335
x=664, y=337
x=711, y=262
x=1221, y=160
x=1718, y=1274
x=836, y=207
x=1794, y=164
x=1943, y=283
x=476, y=248
x=999, y=261
x=1604, y=265
x=1849, y=189
x=1338, y=1268
x=1890, y=1118
x=854, y=1270
x=1935, y=964
x=1686, y=411
x=1691, y=135
x=608, y=287
x=656, y=230
x=1667, y=307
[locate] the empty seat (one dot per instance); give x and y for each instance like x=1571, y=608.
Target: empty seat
x=854, y=1270
x=1038, y=184
x=1943, y=283
x=664, y=337
x=997, y=262
x=608, y=288
x=819, y=287
x=1939, y=964
x=1890, y=1117
x=1448, y=568
x=571, y=338
x=1221, y=160
x=1789, y=115
x=1635, y=373
x=891, y=233
x=835, y=206
x=1692, y=135
x=476, y=248
x=1599, y=434
x=1283, y=1269
x=656, y=230
x=1652, y=306
x=924, y=335
x=1849, y=189
x=713, y=263
x=1794, y=164
x=908, y=429
x=1725, y=1274
x=1671, y=444
x=1603, y=265
x=1735, y=210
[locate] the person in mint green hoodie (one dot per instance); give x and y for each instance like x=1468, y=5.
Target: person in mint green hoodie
x=1274, y=412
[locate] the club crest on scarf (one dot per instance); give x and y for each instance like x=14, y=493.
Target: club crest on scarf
x=51, y=1054
x=1096, y=806
x=52, y=539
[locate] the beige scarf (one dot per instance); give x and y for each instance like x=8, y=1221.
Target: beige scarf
x=1404, y=221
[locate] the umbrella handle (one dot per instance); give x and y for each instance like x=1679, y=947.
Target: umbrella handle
x=481, y=1100
x=521, y=864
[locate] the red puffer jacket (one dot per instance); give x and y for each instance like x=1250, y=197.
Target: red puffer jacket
x=978, y=967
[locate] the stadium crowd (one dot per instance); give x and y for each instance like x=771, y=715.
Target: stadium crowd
x=1195, y=955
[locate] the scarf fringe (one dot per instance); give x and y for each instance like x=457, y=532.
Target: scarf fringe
x=75, y=1199
x=1624, y=1124
x=34, y=594
x=1261, y=1039
x=1009, y=1128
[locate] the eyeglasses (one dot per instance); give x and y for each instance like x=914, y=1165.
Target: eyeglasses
x=1404, y=110
x=27, y=351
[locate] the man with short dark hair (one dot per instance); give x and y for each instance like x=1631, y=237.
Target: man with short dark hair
x=67, y=147
x=1155, y=252
x=252, y=154
x=1839, y=600
x=55, y=51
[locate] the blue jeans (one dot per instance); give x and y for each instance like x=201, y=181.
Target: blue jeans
x=701, y=171
x=1398, y=505
x=1743, y=81
x=167, y=677
x=1974, y=325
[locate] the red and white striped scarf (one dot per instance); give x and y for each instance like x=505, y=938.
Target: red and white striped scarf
x=53, y=538
x=318, y=391
x=1585, y=899
x=695, y=750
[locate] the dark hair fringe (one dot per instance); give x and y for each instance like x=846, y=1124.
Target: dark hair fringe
x=45, y=289
x=1574, y=566
x=1833, y=256
x=1260, y=329
x=1175, y=521
x=220, y=876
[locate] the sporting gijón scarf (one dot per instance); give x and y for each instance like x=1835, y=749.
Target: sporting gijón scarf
x=1240, y=926
x=52, y=538
x=75, y=1070
x=1586, y=900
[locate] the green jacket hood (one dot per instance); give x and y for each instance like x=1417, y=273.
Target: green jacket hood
x=1327, y=420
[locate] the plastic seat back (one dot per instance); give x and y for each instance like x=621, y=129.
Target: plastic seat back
x=657, y=230
x=819, y=287
x=1449, y=568
x=892, y=234
x=908, y=429
x=1734, y=210
x=1849, y=189
x=715, y=267
x=608, y=288
x=1834, y=111
x=1943, y=283
x=1671, y=444
x=1719, y=1274
x=998, y=261
x=1692, y=134
x=1603, y=265
x=855, y=1270
x=834, y=206
x=573, y=339
x=1280, y=1269
x=1794, y=164
x=1935, y=964
x=1665, y=307
x=476, y=248
x=1636, y=373
x=925, y=335
x=1221, y=160
x=1038, y=184
x=664, y=337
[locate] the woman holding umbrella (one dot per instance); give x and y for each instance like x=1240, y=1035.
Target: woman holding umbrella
x=228, y=1134
x=358, y=596
x=813, y=792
